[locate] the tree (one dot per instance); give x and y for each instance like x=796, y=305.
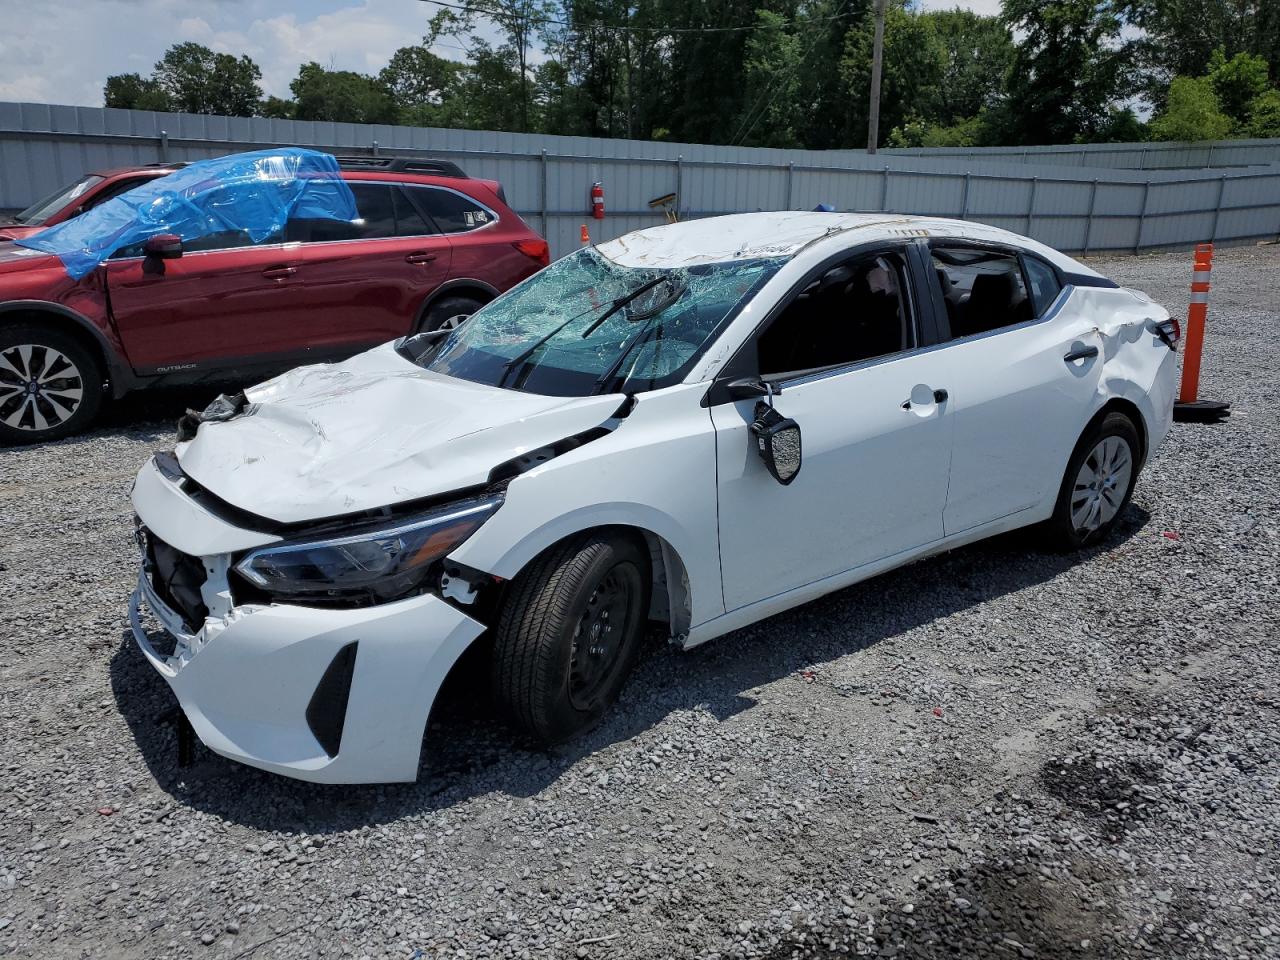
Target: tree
x=774, y=60
x=914, y=61
x=340, y=95
x=1191, y=112
x=1178, y=37
x=1068, y=70
x=1264, y=115
x=134, y=92
x=1237, y=82
x=978, y=53
x=419, y=82
x=277, y=108
x=197, y=80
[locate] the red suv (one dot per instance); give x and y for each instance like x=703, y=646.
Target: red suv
x=429, y=247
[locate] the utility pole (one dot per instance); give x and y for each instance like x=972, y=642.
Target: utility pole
x=877, y=62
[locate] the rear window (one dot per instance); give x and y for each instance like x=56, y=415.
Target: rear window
x=452, y=212
x=384, y=212
x=1044, y=284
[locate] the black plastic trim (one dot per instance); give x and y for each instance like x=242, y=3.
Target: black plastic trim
x=327, y=709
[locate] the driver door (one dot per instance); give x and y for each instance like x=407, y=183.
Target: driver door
x=876, y=440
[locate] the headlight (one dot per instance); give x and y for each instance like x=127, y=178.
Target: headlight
x=380, y=563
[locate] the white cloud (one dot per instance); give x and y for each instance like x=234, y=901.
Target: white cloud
x=65, y=51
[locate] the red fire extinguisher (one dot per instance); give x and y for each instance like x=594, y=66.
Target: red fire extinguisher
x=597, y=200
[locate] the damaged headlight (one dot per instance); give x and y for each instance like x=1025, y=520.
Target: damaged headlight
x=381, y=563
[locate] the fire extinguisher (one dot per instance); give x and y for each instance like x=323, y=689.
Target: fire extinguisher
x=597, y=200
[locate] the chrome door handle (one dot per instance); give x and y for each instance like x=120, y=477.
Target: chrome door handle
x=420, y=258
x=1080, y=353
x=280, y=272
x=939, y=396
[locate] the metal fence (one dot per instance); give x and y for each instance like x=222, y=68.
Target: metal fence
x=547, y=178
x=1137, y=156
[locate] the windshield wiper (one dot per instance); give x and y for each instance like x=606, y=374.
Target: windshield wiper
x=619, y=304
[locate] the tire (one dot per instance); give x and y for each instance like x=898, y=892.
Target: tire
x=448, y=312
x=550, y=680
x=1098, y=484
x=67, y=378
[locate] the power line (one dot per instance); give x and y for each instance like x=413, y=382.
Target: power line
x=601, y=25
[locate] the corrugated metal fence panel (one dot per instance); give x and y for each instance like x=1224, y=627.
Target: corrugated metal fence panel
x=1092, y=197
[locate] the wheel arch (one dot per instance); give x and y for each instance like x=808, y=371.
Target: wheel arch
x=77, y=325
x=1129, y=409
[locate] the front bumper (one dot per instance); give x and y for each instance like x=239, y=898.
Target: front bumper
x=246, y=680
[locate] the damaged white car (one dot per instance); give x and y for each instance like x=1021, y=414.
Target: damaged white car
x=698, y=425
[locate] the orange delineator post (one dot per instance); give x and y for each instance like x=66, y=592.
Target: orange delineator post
x=1189, y=406
x=586, y=237
x=1197, y=312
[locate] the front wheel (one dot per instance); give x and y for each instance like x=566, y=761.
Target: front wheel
x=1098, y=484
x=568, y=634
x=50, y=385
x=448, y=313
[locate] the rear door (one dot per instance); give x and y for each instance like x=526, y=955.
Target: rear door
x=363, y=283
x=1022, y=376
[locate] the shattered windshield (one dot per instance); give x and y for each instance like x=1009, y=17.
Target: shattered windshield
x=588, y=325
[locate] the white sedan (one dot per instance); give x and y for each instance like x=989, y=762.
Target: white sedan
x=698, y=425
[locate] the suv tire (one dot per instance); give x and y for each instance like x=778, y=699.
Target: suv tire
x=448, y=313
x=51, y=385
x=568, y=634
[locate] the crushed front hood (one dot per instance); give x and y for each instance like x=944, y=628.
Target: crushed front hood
x=376, y=430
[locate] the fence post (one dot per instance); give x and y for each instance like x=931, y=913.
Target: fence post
x=1217, y=208
x=1088, y=223
x=1209, y=161
x=546, y=226
x=964, y=197
x=1142, y=216
x=375, y=148
x=884, y=191
x=1031, y=207
x=679, y=183
x=791, y=175
x=164, y=146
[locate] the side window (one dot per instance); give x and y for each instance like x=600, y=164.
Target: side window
x=855, y=311
x=113, y=191
x=983, y=289
x=452, y=212
x=1044, y=283
x=409, y=222
x=375, y=204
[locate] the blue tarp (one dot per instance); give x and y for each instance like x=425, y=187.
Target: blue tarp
x=250, y=193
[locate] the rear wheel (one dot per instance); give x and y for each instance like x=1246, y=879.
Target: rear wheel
x=50, y=384
x=449, y=313
x=568, y=634
x=1098, y=484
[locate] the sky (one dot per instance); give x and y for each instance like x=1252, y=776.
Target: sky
x=64, y=50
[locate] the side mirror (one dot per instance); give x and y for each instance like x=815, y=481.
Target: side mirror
x=777, y=440
x=163, y=246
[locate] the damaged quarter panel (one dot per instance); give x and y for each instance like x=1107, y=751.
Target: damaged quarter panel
x=374, y=431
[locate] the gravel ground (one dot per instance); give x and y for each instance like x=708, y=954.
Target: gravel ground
x=997, y=752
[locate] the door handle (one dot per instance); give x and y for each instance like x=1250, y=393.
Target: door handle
x=420, y=257
x=1080, y=353
x=279, y=272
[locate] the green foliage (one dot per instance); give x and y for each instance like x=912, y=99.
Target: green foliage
x=420, y=82
x=341, y=95
x=1191, y=112
x=978, y=53
x=1069, y=69
x=277, y=108
x=1264, y=115
x=134, y=92
x=1237, y=82
x=973, y=132
x=197, y=80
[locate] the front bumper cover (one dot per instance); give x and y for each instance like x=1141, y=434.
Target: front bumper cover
x=245, y=681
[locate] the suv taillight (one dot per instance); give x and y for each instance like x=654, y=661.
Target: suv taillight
x=535, y=250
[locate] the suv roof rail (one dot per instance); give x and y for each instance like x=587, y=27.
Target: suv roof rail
x=429, y=165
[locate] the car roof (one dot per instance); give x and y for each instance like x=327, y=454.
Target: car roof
x=785, y=233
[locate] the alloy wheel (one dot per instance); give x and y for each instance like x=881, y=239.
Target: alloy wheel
x=40, y=387
x=454, y=322
x=1101, y=485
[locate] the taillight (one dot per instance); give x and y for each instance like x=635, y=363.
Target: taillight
x=535, y=250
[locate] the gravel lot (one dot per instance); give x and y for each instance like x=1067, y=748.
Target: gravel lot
x=998, y=752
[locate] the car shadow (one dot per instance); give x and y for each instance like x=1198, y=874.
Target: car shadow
x=469, y=751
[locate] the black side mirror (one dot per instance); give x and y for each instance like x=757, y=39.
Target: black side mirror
x=163, y=246
x=777, y=440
